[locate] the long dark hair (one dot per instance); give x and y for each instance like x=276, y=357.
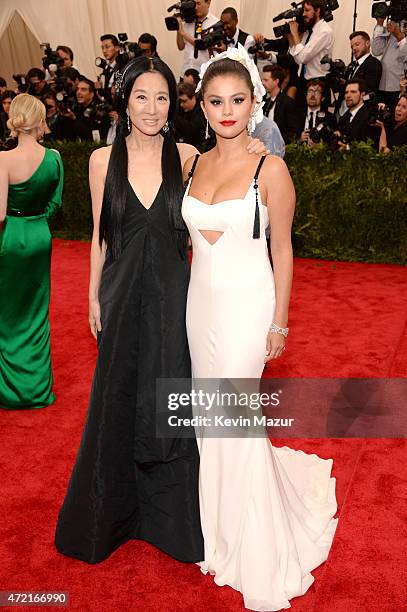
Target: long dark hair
x=115, y=192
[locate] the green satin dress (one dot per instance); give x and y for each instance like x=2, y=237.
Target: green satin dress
x=25, y=258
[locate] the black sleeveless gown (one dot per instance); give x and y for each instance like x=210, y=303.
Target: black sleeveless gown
x=126, y=483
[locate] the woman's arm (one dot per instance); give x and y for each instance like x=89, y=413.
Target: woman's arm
x=383, y=148
x=281, y=206
x=98, y=163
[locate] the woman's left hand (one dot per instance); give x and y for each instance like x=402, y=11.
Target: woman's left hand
x=257, y=147
x=275, y=346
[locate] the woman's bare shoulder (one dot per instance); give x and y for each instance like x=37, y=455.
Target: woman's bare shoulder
x=273, y=164
x=99, y=158
x=186, y=151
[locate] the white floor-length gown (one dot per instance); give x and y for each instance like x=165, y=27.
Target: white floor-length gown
x=266, y=512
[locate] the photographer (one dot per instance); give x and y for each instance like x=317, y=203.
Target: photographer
x=88, y=120
x=394, y=135
x=355, y=125
x=5, y=100
x=148, y=45
x=191, y=76
x=72, y=77
x=310, y=47
x=364, y=66
x=52, y=117
x=278, y=106
x=189, y=120
x=188, y=32
x=66, y=54
x=233, y=34
x=313, y=115
x=111, y=52
x=37, y=85
x=390, y=42
x=3, y=85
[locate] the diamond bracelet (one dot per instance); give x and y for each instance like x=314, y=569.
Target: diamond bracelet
x=279, y=330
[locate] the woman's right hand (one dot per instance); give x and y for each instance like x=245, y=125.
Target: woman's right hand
x=94, y=317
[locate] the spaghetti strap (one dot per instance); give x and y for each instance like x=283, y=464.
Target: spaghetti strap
x=259, y=167
x=256, y=224
x=191, y=172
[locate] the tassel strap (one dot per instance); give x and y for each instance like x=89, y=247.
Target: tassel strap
x=256, y=224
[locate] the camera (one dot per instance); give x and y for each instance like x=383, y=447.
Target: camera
x=184, y=9
x=296, y=12
x=268, y=44
x=323, y=132
x=211, y=37
x=51, y=60
x=293, y=13
x=337, y=72
x=21, y=81
x=395, y=10
x=380, y=113
x=129, y=50
x=64, y=95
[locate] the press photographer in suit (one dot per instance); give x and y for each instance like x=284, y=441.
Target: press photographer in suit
x=313, y=115
x=364, y=67
x=354, y=124
x=278, y=106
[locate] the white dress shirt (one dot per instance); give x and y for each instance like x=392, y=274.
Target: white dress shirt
x=309, y=111
x=320, y=43
x=359, y=63
x=250, y=42
x=354, y=111
x=394, y=54
x=203, y=56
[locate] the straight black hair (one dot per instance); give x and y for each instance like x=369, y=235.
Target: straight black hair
x=115, y=192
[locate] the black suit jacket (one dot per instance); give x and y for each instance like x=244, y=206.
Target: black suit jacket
x=358, y=129
x=285, y=115
x=370, y=72
x=322, y=116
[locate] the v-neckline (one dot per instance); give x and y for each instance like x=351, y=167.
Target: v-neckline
x=138, y=199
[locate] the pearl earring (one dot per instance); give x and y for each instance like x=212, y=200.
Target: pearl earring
x=128, y=123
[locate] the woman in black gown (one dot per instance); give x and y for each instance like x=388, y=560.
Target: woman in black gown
x=127, y=483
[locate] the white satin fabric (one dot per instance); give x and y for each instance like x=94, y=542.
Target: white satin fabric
x=266, y=512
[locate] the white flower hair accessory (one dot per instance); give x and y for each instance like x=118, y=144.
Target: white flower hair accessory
x=240, y=55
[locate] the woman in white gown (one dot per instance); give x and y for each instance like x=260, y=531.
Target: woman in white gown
x=266, y=512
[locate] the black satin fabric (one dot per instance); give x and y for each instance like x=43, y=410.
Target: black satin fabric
x=126, y=483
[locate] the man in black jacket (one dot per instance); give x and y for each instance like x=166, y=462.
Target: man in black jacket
x=87, y=120
x=189, y=120
x=354, y=124
x=364, y=67
x=313, y=115
x=278, y=106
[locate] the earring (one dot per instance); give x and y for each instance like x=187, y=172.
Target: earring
x=128, y=123
x=166, y=127
x=207, y=130
x=251, y=126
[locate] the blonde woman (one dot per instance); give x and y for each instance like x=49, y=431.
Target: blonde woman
x=31, y=181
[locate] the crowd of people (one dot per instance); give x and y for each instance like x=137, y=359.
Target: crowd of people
x=309, y=96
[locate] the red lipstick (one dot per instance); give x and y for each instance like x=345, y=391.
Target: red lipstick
x=228, y=123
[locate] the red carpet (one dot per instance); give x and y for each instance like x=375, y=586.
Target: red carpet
x=347, y=320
